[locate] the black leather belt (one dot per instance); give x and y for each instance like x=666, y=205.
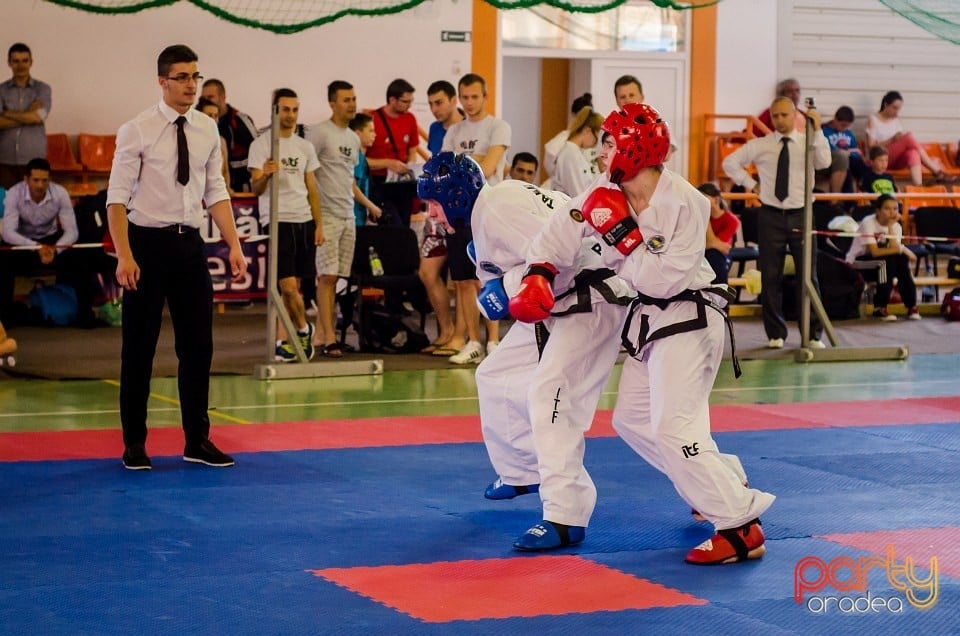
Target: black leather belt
x=176, y=228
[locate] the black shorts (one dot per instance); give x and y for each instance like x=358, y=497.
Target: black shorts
x=461, y=267
x=296, y=250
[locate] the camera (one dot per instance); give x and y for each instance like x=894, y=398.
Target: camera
x=810, y=103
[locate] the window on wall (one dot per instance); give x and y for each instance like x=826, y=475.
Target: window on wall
x=637, y=25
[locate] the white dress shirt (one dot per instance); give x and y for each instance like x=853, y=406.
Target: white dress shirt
x=764, y=153
x=144, y=173
x=24, y=220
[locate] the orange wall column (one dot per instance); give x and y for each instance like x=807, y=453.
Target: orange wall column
x=703, y=84
x=554, y=81
x=484, y=39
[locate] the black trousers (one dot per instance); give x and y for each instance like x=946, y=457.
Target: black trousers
x=173, y=268
x=777, y=230
x=720, y=263
x=898, y=266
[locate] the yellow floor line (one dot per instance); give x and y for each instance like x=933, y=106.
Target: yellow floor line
x=170, y=400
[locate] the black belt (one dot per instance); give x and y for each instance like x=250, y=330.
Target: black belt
x=176, y=228
x=782, y=210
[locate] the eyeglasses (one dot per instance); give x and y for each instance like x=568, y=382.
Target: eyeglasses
x=184, y=78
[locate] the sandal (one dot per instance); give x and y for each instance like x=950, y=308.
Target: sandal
x=445, y=351
x=433, y=346
x=332, y=350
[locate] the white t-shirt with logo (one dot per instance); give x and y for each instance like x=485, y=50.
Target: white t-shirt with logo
x=338, y=153
x=475, y=138
x=296, y=159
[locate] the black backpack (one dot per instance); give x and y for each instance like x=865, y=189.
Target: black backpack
x=390, y=332
x=841, y=289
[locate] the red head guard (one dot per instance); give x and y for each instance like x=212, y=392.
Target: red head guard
x=642, y=137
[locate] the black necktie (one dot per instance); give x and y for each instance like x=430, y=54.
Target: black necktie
x=782, y=187
x=183, y=155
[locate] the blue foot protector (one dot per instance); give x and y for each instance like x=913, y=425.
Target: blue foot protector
x=500, y=490
x=548, y=535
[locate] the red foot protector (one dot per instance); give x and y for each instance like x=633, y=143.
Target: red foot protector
x=730, y=546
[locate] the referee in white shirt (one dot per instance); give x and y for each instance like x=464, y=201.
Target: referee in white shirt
x=780, y=163
x=167, y=164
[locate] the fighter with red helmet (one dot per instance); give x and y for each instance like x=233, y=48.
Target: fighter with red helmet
x=652, y=224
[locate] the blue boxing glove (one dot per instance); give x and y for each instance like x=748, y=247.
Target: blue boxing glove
x=472, y=253
x=493, y=300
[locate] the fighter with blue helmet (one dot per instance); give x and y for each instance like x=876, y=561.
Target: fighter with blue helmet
x=574, y=348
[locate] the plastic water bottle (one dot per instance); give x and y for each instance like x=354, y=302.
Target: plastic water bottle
x=928, y=292
x=376, y=266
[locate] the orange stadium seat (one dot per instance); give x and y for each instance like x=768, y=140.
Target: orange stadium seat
x=96, y=151
x=60, y=154
x=935, y=151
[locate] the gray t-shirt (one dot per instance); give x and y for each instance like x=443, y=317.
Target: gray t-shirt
x=338, y=150
x=476, y=137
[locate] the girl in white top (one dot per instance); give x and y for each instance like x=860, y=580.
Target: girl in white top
x=574, y=172
x=879, y=238
x=884, y=128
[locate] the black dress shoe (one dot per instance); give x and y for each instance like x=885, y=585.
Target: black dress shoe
x=135, y=458
x=206, y=453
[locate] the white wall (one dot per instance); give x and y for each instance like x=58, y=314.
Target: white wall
x=521, y=76
x=103, y=68
x=747, y=57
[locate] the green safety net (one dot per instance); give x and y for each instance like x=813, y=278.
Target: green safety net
x=939, y=17
x=292, y=16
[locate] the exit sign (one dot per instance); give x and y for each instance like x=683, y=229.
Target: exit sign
x=455, y=36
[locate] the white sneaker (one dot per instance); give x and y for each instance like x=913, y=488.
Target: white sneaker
x=775, y=343
x=492, y=345
x=816, y=344
x=472, y=353
x=914, y=314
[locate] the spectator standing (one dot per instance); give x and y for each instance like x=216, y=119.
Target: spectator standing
x=780, y=162
x=392, y=185
x=442, y=97
x=721, y=231
x=574, y=171
x=38, y=213
x=166, y=166
x=24, y=106
x=553, y=147
x=212, y=111
x=627, y=90
x=363, y=207
x=338, y=152
x=237, y=129
x=879, y=237
x=299, y=227
x=485, y=139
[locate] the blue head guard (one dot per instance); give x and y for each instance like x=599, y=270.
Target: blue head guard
x=453, y=181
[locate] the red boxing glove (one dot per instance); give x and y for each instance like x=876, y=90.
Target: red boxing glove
x=607, y=211
x=534, y=299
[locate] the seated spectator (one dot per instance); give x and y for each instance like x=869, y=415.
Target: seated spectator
x=524, y=167
x=879, y=238
x=876, y=179
x=850, y=166
x=363, y=207
x=553, y=147
x=574, y=172
x=212, y=111
x=884, y=128
x=720, y=233
x=39, y=213
x=789, y=88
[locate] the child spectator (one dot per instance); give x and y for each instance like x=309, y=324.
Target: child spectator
x=720, y=233
x=363, y=207
x=879, y=238
x=877, y=179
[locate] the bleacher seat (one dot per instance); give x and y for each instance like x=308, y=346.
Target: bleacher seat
x=96, y=151
x=60, y=154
